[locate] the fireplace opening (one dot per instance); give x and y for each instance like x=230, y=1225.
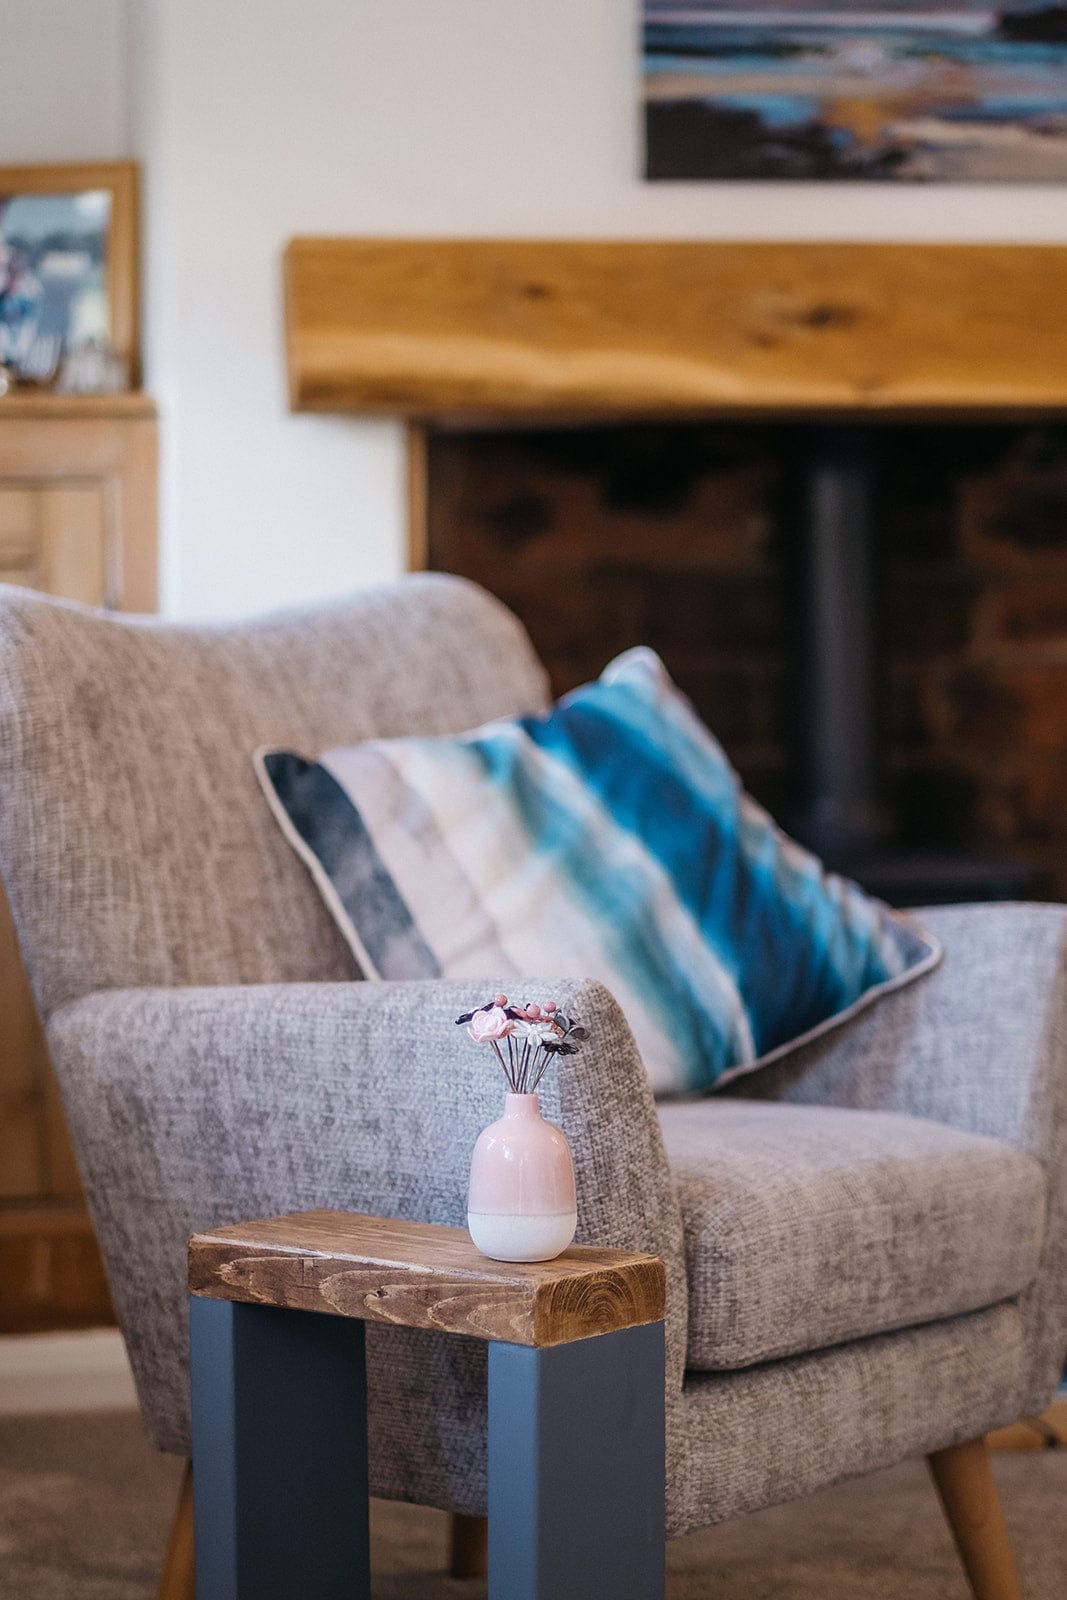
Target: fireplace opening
x=872, y=620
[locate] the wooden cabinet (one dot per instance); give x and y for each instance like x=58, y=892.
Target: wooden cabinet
x=78, y=494
x=78, y=498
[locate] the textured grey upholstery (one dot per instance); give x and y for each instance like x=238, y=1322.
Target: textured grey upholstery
x=806, y=1227
x=980, y=1045
x=141, y=861
x=134, y=839
x=786, y=1429
x=356, y=1095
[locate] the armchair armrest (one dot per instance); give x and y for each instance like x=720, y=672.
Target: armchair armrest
x=189, y=1108
x=981, y=1043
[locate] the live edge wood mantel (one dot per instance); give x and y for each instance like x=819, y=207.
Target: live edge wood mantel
x=531, y=330
x=423, y=1275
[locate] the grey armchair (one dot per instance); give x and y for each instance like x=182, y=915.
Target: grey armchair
x=866, y=1254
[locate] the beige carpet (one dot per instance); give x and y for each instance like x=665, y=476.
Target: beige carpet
x=85, y=1505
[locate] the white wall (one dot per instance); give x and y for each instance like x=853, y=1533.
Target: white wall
x=87, y=1370
x=259, y=119
x=416, y=116
x=63, y=88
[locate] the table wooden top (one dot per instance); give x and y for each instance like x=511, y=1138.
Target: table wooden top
x=422, y=1275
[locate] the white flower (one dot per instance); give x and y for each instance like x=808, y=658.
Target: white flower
x=537, y=1032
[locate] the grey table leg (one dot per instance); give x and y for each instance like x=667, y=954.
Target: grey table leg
x=279, y=1454
x=576, y=1469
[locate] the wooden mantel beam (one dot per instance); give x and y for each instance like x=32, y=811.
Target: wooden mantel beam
x=531, y=330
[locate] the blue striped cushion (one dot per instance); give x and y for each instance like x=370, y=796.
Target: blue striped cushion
x=609, y=838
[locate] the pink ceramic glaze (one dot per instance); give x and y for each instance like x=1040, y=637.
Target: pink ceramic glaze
x=521, y=1205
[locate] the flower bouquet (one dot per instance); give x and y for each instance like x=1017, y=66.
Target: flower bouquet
x=521, y=1205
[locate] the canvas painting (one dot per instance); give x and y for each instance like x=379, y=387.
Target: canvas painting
x=934, y=91
x=53, y=277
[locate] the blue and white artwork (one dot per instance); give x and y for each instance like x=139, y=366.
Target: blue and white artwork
x=934, y=91
x=53, y=278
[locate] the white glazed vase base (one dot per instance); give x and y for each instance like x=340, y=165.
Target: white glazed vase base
x=515, y=1238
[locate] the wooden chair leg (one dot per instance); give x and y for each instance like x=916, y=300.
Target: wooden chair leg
x=177, y=1581
x=469, y=1547
x=964, y=1479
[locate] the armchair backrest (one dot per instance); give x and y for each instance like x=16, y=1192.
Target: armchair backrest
x=134, y=842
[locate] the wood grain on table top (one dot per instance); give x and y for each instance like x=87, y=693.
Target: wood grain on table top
x=424, y=1275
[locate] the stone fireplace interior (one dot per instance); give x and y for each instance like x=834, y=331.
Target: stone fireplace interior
x=827, y=484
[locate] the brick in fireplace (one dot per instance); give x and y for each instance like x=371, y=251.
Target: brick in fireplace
x=678, y=537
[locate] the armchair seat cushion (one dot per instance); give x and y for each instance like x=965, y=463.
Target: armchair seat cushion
x=808, y=1226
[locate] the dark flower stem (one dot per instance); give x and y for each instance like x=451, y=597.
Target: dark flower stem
x=524, y=1067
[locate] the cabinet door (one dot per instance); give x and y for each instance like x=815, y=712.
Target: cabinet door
x=77, y=519
x=55, y=539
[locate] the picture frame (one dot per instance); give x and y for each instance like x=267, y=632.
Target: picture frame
x=69, y=274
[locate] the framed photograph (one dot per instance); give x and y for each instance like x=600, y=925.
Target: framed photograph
x=907, y=91
x=68, y=275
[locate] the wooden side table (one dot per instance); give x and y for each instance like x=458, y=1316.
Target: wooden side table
x=576, y=1405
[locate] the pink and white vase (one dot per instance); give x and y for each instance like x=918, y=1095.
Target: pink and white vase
x=521, y=1205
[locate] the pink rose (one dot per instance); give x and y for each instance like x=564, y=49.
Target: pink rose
x=485, y=1026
